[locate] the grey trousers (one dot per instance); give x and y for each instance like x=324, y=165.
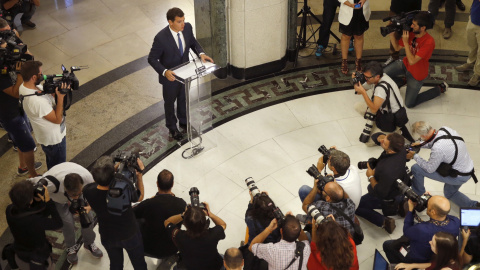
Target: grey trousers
x=69, y=227
x=450, y=10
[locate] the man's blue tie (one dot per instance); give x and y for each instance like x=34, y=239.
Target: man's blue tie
x=180, y=45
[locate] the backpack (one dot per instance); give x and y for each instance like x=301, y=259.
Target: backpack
x=121, y=194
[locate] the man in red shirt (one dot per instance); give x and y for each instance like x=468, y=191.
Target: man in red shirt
x=415, y=65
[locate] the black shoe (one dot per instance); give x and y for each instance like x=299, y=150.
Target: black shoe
x=389, y=225
x=29, y=24
x=174, y=133
x=183, y=128
x=460, y=5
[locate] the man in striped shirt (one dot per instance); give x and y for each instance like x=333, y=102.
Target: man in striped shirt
x=447, y=147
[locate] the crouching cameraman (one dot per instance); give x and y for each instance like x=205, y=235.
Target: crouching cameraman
x=386, y=102
x=116, y=220
x=382, y=173
x=65, y=183
x=258, y=216
x=198, y=244
x=27, y=218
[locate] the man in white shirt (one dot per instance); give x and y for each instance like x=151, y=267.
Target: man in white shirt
x=45, y=112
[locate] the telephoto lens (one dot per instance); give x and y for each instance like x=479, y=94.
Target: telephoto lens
x=194, y=198
x=252, y=186
x=315, y=214
x=421, y=201
x=313, y=172
x=279, y=216
x=363, y=165
x=367, y=130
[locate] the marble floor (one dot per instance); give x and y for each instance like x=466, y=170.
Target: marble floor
x=276, y=145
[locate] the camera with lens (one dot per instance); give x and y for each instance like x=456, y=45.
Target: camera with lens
x=399, y=23
x=13, y=53
x=325, y=152
x=252, y=186
x=362, y=165
x=322, y=180
x=367, y=130
x=194, y=198
x=128, y=165
x=39, y=187
x=56, y=80
x=277, y=213
x=359, y=77
x=78, y=206
x=414, y=148
x=421, y=201
x=315, y=214
x=279, y=216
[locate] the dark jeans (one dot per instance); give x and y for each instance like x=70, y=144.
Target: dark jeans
x=368, y=204
x=134, y=248
x=392, y=250
x=174, y=91
x=55, y=154
x=450, y=10
x=28, y=10
x=329, y=10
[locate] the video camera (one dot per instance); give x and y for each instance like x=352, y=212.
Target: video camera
x=78, y=206
x=39, y=187
x=56, y=80
x=194, y=198
x=322, y=180
x=399, y=23
x=421, y=201
x=362, y=165
x=128, y=165
x=277, y=213
x=13, y=53
x=315, y=214
x=359, y=77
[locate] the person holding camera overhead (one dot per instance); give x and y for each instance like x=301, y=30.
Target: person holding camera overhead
x=415, y=65
x=382, y=173
x=118, y=228
x=31, y=205
x=386, y=102
x=258, y=216
x=45, y=113
x=65, y=183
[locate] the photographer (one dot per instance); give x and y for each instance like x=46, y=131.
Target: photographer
x=198, y=244
x=281, y=255
x=258, y=216
x=65, y=183
x=333, y=200
x=117, y=231
x=233, y=259
x=418, y=235
x=45, y=113
x=449, y=163
x=415, y=65
x=383, y=192
x=332, y=247
x=345, y=175
x=30, y=243
x=470, y=251
x=386, y=97
x=27, y=7
x=153, y=213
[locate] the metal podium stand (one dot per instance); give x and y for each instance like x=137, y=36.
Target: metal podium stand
x=197, y=77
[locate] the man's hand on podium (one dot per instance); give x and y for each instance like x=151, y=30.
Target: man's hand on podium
x=205, y=58
x=169, y=75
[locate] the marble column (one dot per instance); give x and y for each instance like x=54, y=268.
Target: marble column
x=292, y=29
x=257, y=37
x=211, y=31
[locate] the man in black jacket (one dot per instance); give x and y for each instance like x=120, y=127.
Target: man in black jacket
x=383, y=192
x=27, y=218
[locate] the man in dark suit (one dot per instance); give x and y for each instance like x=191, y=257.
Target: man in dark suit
x=171, y=48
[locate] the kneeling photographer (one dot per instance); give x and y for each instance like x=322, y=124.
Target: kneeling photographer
x=198, y=244
x=382, y=173
x=385, y=105
x=111, y=197
x=31, y=205
x=65, y=183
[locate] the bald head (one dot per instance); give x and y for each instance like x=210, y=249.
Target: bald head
x=334, y=191
x=441, y=205
x=233, y=259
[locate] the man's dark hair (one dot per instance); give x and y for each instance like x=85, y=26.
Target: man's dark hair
x=423, y=18
x=375, y=68
x=29, y=69
x=103, y=171
x=291, y=228
x=233, y=258
x=21, y=194
x=195, y=221
x=73, y=182
x=340, y=161
x=165, y=180
x=174, y=12
x=397, y=142
x=3, y=23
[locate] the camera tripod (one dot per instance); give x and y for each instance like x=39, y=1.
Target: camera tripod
x=302, y=35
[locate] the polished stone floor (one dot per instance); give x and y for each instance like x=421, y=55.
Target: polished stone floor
x=274, y=145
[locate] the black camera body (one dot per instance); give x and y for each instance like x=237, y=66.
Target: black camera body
x=78, y=206
x=399, y=23
x=322, y=180
x=421, y=201
x=367, y=130
x=359, y=77
x=362, y=165
x=315, y=214
x=13, y=53
x=128, y=165
x=194, y=198
x=39, y=187
x=414, y=148
x=56, y=80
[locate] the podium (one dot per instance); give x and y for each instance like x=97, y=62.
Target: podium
x=197, y=76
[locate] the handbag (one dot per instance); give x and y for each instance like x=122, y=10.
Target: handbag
x=386, y=120
x=357, y=230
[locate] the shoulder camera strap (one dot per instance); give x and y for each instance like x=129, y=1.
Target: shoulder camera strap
x=298, y=253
